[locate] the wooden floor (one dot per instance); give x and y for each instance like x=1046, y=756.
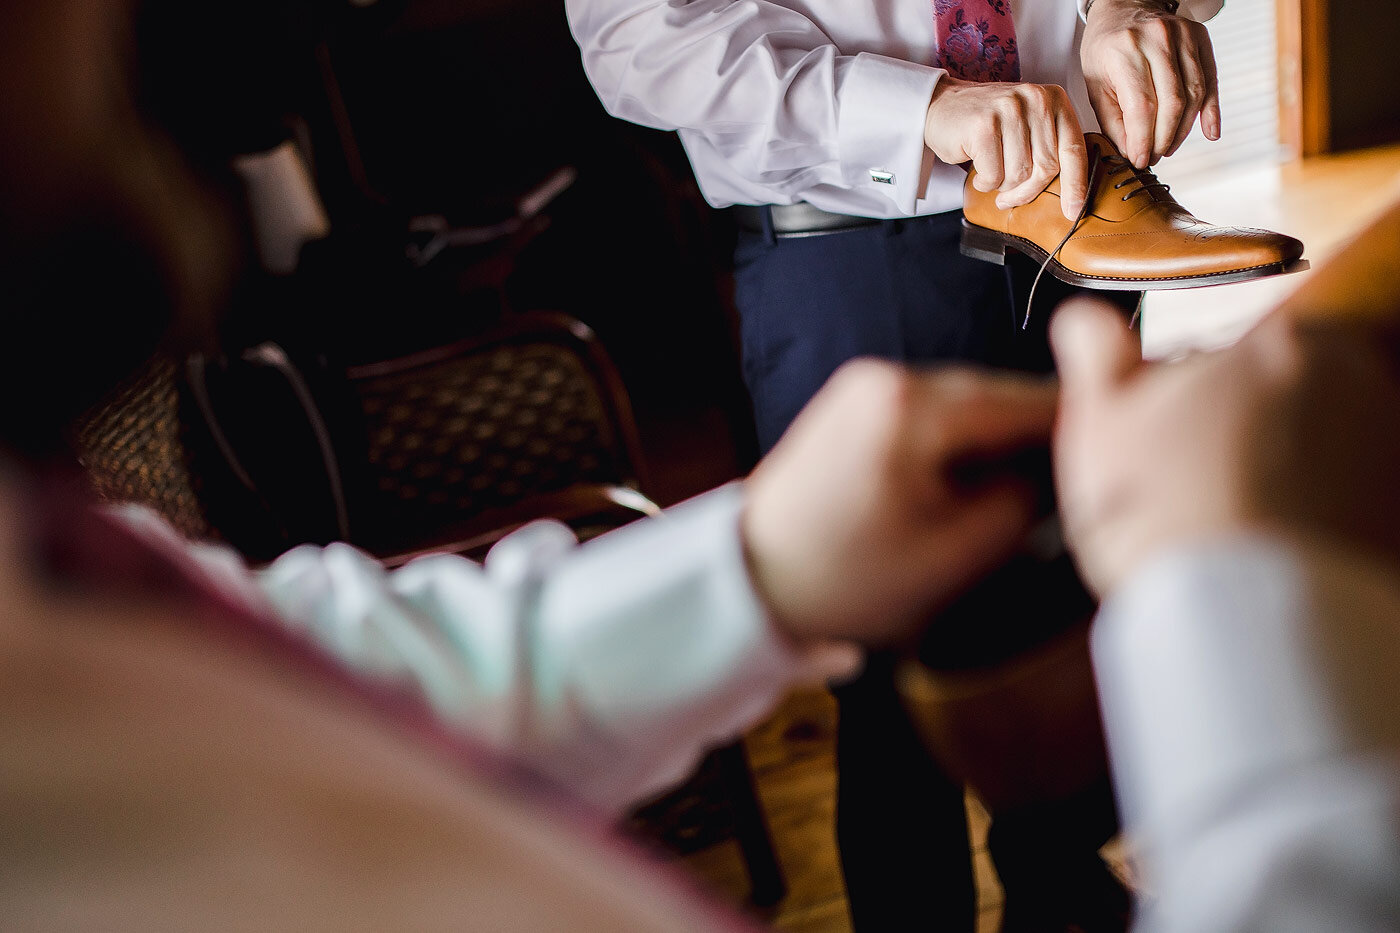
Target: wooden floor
x=793, y=756
x=1323, y=202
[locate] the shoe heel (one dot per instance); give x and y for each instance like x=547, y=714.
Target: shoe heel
x=981, y=243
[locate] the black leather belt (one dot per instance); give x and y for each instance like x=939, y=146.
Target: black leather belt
x=796, y=220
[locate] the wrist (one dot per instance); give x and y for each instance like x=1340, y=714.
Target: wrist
x=1119, y=548
x=947, y=84
x=936, y=116
x=765, y=578
x=827, y=658
x=1159, y=7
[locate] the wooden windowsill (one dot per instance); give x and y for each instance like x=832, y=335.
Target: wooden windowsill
x=1323, y=201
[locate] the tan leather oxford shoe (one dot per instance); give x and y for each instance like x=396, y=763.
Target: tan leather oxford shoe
x=1132, y=234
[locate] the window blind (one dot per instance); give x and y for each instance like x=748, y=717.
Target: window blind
x=1244, y=36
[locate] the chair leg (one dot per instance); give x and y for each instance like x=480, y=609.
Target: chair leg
x=767, y=885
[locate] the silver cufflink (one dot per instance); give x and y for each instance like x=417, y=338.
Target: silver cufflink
x=881, y=177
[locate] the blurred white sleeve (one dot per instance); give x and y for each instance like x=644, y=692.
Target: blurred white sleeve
x=1251, y=694
x=610, y=668
x=766, y=88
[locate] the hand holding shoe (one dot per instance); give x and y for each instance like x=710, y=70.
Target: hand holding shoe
x=1018, y=137
x=855, y=525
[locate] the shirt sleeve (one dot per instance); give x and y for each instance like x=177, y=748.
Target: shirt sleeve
x=766, y=88
x=1248, y=696
x=1202, y=11
x=609, y=668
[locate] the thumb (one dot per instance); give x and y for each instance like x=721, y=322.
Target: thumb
x=1094, y=350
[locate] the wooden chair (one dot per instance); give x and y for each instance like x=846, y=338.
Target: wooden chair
x=465, y=443
x=447, y=450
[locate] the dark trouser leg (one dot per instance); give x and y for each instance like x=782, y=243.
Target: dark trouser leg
x=900, y=290
x=900, y=822
x=1047, y=857
x=1046, y=854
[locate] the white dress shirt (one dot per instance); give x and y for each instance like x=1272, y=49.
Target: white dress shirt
x=823, y=101
x=1248, y=690
x=609, y=668
x=1253, y=720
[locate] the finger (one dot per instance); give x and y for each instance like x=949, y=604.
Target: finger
x=1094, y=350
x=1279, y=344
x=1016, y=154
x=1132, y=85
x=1074, y=164
x=1109, y=113
x=991, y=170
x=1170, y=91
x=1210, y=109
x=963, y=414
x=1193, y=81
x=1043, y=125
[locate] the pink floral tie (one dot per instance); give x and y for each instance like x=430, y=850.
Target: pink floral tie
x=976, y=40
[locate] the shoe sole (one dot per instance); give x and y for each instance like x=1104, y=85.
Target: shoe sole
x=991, y=246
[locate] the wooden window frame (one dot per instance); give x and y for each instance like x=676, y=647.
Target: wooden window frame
x=1304, y=93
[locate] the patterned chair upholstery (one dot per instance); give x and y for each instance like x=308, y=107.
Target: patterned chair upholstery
x=131, y=445
x=471, y=440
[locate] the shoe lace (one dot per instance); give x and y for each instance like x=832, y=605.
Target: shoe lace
x=1115, y=165
x=1147, y=180
x=1095, y=160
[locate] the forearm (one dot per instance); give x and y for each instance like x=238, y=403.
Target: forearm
x=609, y=668
x=764, y=86
x=1246, y=689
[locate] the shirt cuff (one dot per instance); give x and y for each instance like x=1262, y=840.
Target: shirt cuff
x=1228, y=664
x=670, y=649
x=880, y=126
x=1201, y=11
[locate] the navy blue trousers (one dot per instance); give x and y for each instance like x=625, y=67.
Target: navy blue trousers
x=899, y=290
